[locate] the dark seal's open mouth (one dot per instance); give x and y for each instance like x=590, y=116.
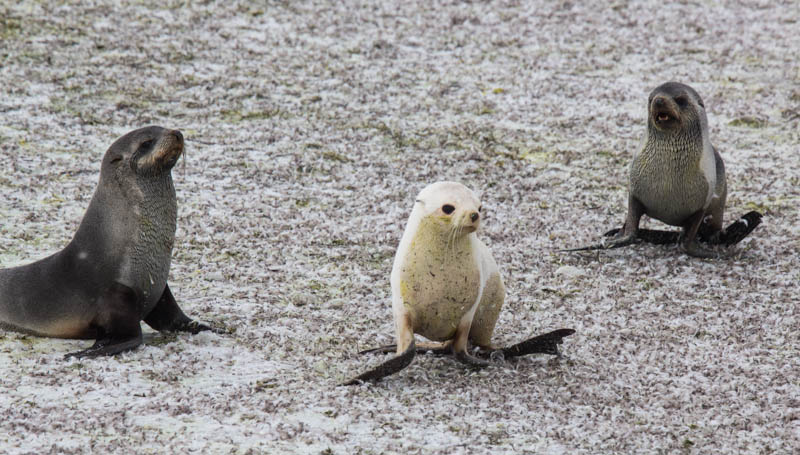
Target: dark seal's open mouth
x=663, y=113
x=663, y=118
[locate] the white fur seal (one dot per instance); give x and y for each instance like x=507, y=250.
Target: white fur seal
x=113, y=274
x=446, y=286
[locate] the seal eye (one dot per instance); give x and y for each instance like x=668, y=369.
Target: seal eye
x=116, y=159
x=682, y=101
x=145, y=146
x=448, y=209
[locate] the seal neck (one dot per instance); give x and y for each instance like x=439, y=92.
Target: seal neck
x=684, y=145
x=441, y=238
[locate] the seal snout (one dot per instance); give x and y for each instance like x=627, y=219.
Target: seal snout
x=663, y=112
x=170, y=148
x=178, y=136
x=470, y=221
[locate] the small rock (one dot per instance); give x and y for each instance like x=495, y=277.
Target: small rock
x=570, y=271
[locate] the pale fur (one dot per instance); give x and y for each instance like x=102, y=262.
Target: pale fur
x=441, y=271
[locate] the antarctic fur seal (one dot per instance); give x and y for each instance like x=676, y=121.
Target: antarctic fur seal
x=678, y=177
x=446, y=285
x=113, y=274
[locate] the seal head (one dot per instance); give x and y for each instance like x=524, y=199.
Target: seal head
x=673, y=107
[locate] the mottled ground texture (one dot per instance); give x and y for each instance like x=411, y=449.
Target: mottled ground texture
x=310, y=128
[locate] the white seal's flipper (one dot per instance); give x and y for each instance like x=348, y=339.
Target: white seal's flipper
x=387, y=368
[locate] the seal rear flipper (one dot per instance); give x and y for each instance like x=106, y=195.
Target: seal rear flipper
x=387, y=368
x=740, y=228
x=653, y=236
x=167, y=316
x=542, y=344
x=117, y=323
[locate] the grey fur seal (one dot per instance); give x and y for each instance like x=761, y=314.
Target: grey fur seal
x=447, y=287
x=678, y=177
x=113, y=274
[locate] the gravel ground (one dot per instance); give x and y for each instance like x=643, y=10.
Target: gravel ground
x=310, y=128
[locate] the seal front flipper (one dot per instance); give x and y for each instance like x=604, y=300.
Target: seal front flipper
x=470, y=361
x=389, y=348
x=117, y=323
x=690, y=241
x=618, y=243
x=387, y=368
x=167, y=316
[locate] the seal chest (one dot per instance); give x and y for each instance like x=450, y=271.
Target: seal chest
x=651, y=180
x=150, y=252
x=439, y=279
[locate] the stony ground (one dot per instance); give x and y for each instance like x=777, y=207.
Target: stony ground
x=310, y=128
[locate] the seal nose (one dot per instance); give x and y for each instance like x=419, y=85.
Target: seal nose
x=474, y=217
x=177, y=135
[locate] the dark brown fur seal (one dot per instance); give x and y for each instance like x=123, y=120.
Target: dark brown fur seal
x=113, y=274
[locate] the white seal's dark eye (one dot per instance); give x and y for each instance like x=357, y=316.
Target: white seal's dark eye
x=448, y=209
x=480, y=208
x=682, y=101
